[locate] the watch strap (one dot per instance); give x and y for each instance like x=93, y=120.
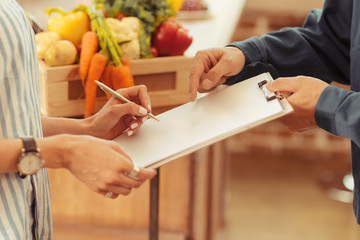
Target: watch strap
x=29, y=144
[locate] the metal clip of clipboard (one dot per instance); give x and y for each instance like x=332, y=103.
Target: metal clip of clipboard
x=269, y=95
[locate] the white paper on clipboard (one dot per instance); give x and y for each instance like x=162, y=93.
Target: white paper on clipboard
x=209, y=119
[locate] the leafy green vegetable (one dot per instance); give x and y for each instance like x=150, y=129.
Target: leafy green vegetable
x=151, y=13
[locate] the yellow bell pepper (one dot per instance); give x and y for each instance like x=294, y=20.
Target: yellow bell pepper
x=175, y=4
x=70, y=26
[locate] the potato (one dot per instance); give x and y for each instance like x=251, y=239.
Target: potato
x=62, y=52
x=43, y=42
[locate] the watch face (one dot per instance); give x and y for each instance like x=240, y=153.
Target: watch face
x=30, y=164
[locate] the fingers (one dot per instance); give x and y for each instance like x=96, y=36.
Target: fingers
x=145, y=174
x=122, y=162
x=124, y=180
x=129, y=108
x=197, y=69
x=118, y=180
x=203, y=61
x=127, y=166
x=288, y=85
x=104, y=166
x=138, y=94
x=122, y=184
x=212, y=67
x=215, y=75
x=134, y=126
x=206, y=70
x=133, y=123
x=115, y=192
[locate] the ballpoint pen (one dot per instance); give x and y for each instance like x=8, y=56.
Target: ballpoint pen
x=115, y=94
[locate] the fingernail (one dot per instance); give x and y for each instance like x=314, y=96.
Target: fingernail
x=149, y=106
x=143, y=111
x=129, y=133
x=134, y=125
x=206, y=83
x=268, y=85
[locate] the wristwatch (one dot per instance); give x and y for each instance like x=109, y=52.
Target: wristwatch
x=30, y=161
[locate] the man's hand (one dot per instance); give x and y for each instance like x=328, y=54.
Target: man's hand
x=213, y=67
x=302, y=93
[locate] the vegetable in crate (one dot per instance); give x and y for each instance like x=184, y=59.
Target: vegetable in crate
x=97, y=66
x=106, y=78
x=109, y=48
x=175, y=4
x=126, y=33
x=43, y=42
x=60, y=53
x=171, y=39
x=90, y=45
x=70, y=26
x=150, y=12
x=121, y=76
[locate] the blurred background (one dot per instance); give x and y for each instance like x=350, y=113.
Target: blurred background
x=279, y=185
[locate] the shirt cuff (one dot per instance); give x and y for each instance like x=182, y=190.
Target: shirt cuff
x=252, y=48
x=327, y=107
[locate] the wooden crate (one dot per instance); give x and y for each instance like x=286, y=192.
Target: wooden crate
x=167, y=80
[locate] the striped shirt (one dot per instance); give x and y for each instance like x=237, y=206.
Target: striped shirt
x=24, y=203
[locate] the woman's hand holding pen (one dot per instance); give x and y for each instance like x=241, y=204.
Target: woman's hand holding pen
x=116, y=116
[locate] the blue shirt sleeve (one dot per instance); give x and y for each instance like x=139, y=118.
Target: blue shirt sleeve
x=337, y=112
x=321, y=48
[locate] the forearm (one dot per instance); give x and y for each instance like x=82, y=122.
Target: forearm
x=52, y=126
x=10, y=150
x=52, y=150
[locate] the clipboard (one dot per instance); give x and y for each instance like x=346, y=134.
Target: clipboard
x=211, y=118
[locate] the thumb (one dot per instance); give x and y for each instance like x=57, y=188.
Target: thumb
x=146, y=174
x=213, y=76
x=282, y=85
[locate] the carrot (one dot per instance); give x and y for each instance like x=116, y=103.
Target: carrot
x=106, y=77
x=97, y=65
x=89, y=46
x=121, y=76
